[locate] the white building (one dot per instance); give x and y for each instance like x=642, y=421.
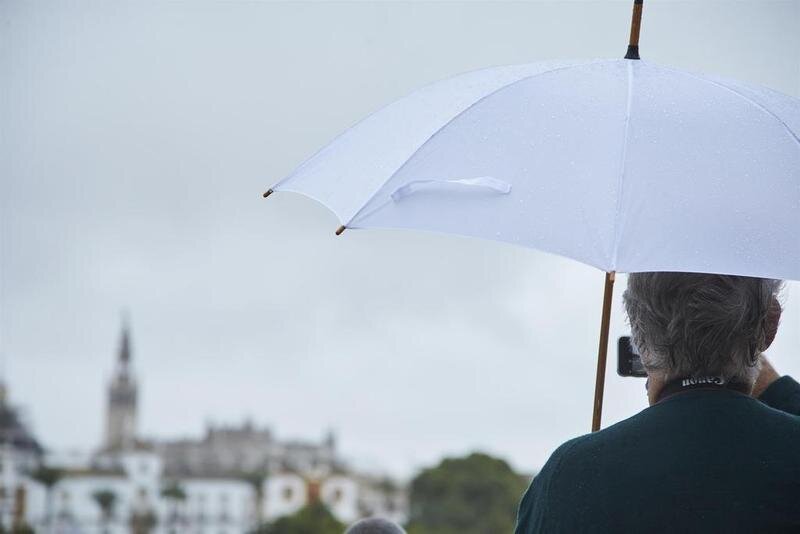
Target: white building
x=20, y=454
x=228, y=481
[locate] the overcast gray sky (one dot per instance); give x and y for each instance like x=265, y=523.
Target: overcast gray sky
x=136, y=139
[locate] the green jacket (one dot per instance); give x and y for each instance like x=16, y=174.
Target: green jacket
x=698, y=461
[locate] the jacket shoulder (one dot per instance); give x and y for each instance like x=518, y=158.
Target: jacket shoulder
x=538, y=511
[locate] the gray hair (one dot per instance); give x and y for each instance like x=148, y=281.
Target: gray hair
x=693, y=325
x=375, y=525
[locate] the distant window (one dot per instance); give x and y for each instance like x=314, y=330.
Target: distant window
x=337, y=495
x=223, y=502
x=288, y=493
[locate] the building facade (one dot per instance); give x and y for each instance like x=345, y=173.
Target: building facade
x=20, y=456
x=229, y=480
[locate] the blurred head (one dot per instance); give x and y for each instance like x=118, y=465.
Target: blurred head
x=697, y=325
x=375, y=525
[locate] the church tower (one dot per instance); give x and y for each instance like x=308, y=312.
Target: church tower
x=121, y=414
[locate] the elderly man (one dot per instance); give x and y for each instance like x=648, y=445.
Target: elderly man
x=718, y=450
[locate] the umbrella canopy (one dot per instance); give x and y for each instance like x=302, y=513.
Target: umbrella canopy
x=621, y=164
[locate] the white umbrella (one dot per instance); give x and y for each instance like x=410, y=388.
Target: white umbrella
x=621, y=164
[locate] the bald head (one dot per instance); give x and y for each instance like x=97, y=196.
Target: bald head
x=375, y=525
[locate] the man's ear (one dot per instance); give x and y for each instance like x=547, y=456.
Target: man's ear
x=771, y=324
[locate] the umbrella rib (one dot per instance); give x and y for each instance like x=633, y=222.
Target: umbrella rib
x=622, y=162
x=459, y=114
x=744, y=97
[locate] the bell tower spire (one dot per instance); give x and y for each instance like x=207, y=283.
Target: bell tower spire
x=125, y=343
x=121, y=410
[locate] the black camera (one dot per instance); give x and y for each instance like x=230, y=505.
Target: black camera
x=628, y=361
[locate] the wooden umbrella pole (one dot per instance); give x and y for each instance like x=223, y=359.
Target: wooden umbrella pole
x=636, y=24
x=602, y=352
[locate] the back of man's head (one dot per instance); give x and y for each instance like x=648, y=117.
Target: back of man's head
x=375, y=525
x=693, y=325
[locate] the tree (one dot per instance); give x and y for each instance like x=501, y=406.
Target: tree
x=21, y=528
x=256, y=480
x=105, y=499
x=477, y=494
x=175, y=495
x=173, y=492
x=143, y=521
x=48, y=477
x=314, y=518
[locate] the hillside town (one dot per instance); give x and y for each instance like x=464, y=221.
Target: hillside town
x=230, y=480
